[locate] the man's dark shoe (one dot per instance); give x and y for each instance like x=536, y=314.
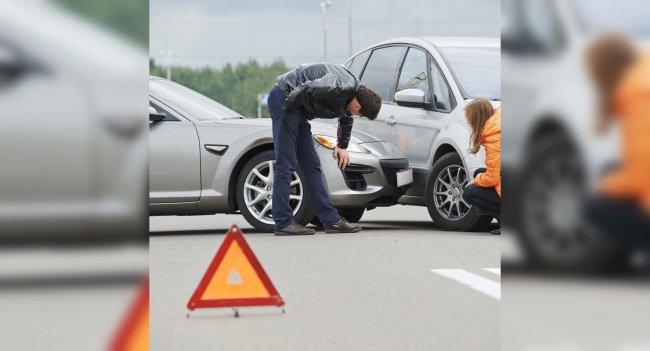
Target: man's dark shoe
x=343, y=226
x=496, y=231
x=294, y=229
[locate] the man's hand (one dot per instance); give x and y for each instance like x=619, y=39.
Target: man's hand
x=342, y=156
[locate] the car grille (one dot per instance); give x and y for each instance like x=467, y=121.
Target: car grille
x=391, y=167
x=353, y=175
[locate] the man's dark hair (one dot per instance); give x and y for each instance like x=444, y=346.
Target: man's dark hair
x=370, y=102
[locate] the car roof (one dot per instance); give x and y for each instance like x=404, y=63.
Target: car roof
x=484, y=42
x=464, y=42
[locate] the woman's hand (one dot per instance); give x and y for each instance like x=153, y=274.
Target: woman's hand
x=342, y=156
x=469, y=183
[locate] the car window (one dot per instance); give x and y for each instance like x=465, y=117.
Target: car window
x=477, y=70
x=531, y=27
x=379, y=74
x=356, y=64
x=444, y=100
x=414, y=74
x=627, y=16
x=348, y=63
x=542, y=25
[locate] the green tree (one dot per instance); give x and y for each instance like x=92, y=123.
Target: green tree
x=130, y=18
x=234, y=86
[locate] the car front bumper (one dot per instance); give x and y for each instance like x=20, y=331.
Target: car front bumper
x=368, y=181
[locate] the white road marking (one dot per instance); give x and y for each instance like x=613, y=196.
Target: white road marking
x=476, y=282
x=496, y=271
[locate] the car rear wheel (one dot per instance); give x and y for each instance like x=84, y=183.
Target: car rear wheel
x=444, y=197
x=255, y=189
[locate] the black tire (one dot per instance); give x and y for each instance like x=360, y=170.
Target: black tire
x=304, y=214
x=353, y=215
x=315, y=221
x=592, y=251
x=470, y=221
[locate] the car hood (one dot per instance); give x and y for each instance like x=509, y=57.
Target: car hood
x=325, y=127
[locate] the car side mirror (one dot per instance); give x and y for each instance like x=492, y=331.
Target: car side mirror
x=411, y=98
x=155, y=116
x=12, y=67
x=510, y=45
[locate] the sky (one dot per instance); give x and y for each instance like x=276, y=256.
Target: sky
x=201, y=33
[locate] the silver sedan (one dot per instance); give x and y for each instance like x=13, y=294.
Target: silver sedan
x=205, y=158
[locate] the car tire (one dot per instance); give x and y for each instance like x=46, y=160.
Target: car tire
x=457, y=218
x=303, y=213
x=594, y=251
x=353, y=215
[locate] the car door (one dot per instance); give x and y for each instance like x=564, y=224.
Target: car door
x=416, y=128
x=379, y=75
x=174, y=158
x=47, y=131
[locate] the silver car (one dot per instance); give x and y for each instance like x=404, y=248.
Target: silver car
x=425, y=84
x=205, y=158
x=552, y=157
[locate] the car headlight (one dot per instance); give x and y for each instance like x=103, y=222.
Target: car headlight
x=330, y=143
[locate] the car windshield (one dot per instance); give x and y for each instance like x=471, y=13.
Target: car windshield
x=189, y=102
x=477, y=70
x=629, y=16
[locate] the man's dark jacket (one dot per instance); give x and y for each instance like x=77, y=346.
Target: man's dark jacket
x=321, y=90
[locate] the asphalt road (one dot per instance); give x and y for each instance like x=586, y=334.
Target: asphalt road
x=401, y=284
x=67, y=298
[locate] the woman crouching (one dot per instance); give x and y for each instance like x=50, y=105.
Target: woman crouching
x=484, y=191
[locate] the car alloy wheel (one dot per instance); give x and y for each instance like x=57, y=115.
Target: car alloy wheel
x=448, y=193
x=258, y=192
x=444, y=197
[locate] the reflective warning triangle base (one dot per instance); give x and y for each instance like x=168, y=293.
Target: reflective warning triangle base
x=235, y=278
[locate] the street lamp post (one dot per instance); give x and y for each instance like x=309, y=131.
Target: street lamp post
x=349, y=28
x=325, y=5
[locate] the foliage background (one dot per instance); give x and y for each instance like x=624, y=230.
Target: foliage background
x=234, y=86
x=129, y=18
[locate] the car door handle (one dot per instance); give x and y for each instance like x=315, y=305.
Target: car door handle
x=391, y=120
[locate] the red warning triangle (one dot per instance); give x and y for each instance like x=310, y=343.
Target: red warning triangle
x=235, y=278
x=133, y=334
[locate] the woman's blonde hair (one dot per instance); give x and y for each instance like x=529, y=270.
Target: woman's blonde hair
x=477, y=113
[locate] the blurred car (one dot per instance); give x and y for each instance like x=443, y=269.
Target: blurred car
x=205, y=158
x=425, y=84
x=73, y=141
x=550, y=153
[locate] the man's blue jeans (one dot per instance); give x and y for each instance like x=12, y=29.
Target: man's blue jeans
x=294, y=146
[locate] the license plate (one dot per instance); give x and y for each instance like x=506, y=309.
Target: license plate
x=404, y=177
